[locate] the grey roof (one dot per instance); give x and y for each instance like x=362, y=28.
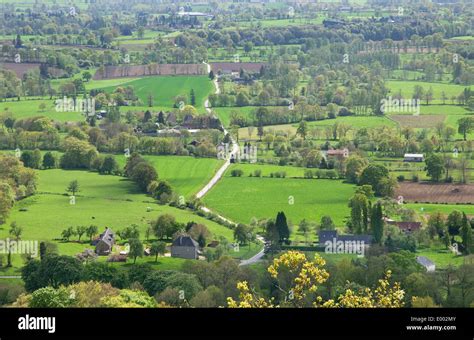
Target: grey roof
x=107, y=236
x=184, y=241
x=327, y=235
x=424, y=261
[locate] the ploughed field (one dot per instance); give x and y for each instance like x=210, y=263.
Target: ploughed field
x=436, y=193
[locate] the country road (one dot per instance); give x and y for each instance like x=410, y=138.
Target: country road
x=257, y=257
x=218, y=175
x=235, y=147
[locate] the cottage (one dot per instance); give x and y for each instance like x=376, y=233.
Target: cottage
x=185, y=247
x=427, y=263
x=338, y=153
x=406, y=227
x=413, y=157
x=105, y=242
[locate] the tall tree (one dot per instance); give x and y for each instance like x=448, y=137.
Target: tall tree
x=157, y=248
x=282, y=226
x=136, y=249
x=376, y=222
x=359, y=205
x=466, y=234
x=465, y=126
x=434, y=167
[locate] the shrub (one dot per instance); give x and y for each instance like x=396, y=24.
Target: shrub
x=257, y=173
x=308, y=174
x=236, y=173
x=400, y=178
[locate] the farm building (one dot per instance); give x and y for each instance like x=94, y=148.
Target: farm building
x=406, y=227
x=185, y=247
x=413, y=157
x=337, y=153
x=105, y=242
x=427, y=263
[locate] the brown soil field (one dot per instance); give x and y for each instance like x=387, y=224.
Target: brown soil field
x=424, y=192
x=19, y=68
x=420, y=121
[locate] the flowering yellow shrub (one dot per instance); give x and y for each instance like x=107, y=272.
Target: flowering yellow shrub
x=305, y=276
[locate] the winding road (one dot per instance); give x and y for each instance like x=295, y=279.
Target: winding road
x=235, y=146
x=218, y=175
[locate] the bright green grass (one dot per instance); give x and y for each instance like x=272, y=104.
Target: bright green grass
x=187, y=175
x=99, y=84
x=165, y=88
x=267, y=169
x=438, y=109
x=242, y=198
x=105, y=201
x=113, y=201
x=441, y=257
x=30, y=108
x=355, y=122
x=464, y=37
x=444, y=208
x=224, y=113
x=407, y=88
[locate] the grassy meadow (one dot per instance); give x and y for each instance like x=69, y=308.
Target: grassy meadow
x=241, y=198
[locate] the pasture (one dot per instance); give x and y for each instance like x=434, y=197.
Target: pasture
x=407, y=89
x=187, y=175
x=30, y=108
x=164, y=89
x=241, y=198
x=104, y=201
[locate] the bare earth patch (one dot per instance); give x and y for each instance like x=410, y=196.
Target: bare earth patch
x=420, y=121
x=436, y=193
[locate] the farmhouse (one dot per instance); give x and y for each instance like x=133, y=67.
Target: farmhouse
x=234, y=68
x=427, y=263
x=406, y=227
x=105, y=242
x=185, y=247
x=338, y=153
x=413, y=157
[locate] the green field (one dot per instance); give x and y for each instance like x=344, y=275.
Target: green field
x=407, y=87
x=441, y=257
x=105, y=201
x=355, y=122
x=187, y=175
x=29, y=108
x=267, y=169
x=224, y=113
x=444, y=208
x=165, y=88
x=241, y=198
